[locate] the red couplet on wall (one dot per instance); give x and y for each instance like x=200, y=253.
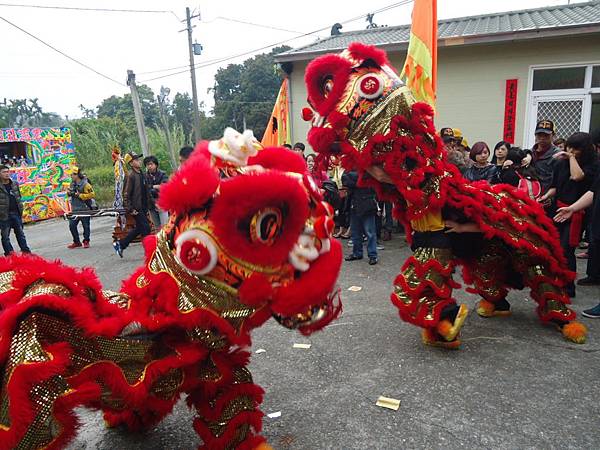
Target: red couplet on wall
x=510, y=110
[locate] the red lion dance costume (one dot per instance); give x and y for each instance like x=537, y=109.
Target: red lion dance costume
x=364, y=116
x=248, y=239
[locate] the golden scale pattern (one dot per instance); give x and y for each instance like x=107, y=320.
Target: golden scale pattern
x=422, y=255
x=197, y=292
x=131, y=355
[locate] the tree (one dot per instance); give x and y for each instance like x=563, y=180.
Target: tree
x=245, y=93
x=122, y=107
x=18, y=113
x=182, y=114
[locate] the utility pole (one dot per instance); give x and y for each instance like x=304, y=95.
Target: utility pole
x=188, y=19
x=137, y=109
x=164, y=93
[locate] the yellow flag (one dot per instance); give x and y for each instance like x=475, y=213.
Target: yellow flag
x=278, y=128
x=420, y=68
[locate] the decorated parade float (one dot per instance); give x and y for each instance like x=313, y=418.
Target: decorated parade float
x=39, y=159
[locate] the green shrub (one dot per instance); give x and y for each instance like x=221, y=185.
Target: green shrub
x=103, y=181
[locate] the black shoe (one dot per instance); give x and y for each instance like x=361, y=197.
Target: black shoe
x=588, y=281
x=373, y=261
x=353, y=257
x=502, y=305
x=592, y=313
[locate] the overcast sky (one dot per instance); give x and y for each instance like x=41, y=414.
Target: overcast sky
x=113, y=42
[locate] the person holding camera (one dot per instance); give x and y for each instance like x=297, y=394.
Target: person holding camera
x=82, y=197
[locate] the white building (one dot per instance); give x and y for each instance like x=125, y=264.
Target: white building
x=553, y=53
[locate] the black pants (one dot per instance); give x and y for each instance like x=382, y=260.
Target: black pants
x=593, y=262
x=73, y=223
x=142, y=227
x=569, y=252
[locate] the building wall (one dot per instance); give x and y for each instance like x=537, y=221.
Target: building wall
x=472, y=83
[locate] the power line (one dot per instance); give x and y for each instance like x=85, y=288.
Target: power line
x=230, y=57
x=61, y=52
x=78, y=8
x=229, y=19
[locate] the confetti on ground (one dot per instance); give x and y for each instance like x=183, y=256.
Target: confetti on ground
x=274, y=415
x=355, y=288
x=260, y=350
x=389, y=403
x=301, y=345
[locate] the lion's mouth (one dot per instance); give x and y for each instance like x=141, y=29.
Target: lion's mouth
x=308, y=248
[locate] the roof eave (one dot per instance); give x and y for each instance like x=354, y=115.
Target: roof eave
x=533, y=33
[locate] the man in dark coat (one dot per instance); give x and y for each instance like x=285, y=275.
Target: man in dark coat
x=363, y=218
x=137, y=201
x=11, y=212
x=155, y=178
x=543, y=153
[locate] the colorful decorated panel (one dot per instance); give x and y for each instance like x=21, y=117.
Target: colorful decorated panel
x=39, y=159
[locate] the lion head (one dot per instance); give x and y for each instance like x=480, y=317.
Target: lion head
x=249, y=237
x=363, y=116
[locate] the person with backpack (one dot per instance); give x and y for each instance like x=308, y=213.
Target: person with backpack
x=82, y=198
x=573, y=176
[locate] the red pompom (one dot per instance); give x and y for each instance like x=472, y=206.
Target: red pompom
x=191, y=186
x=255, y=290
x=322, y=139
x=194, y=255
x=307, y=114
x=279, y=158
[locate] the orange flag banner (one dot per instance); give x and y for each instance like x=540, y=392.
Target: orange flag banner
x=278, y=128
x=420, y=68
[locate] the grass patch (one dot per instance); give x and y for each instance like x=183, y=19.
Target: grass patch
x=103, y=181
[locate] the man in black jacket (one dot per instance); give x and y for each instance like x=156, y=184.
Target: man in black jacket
x=11, y=212
x=137, y=202
x=543, y=153
x=363, y=218
x=155, y=178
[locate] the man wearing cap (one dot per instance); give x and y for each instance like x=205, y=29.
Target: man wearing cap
x=137, y=201
x=82, y=199
x=455, y=154
x=543, y=152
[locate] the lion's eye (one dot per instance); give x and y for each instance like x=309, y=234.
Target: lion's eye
x=327, y=86
x=265, y=226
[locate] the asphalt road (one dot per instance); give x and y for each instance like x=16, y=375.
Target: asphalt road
x=514, y=383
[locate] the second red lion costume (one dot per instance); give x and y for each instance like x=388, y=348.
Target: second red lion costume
x=364, y=116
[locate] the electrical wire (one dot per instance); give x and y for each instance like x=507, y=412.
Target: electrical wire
x=230, y=57
x=269, y=27
x=61, y=52
x=79, y=8
x=219, y=59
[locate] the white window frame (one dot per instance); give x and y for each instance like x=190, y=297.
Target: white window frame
x=558, y=94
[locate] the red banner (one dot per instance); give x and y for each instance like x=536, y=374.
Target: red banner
x=510, y=110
